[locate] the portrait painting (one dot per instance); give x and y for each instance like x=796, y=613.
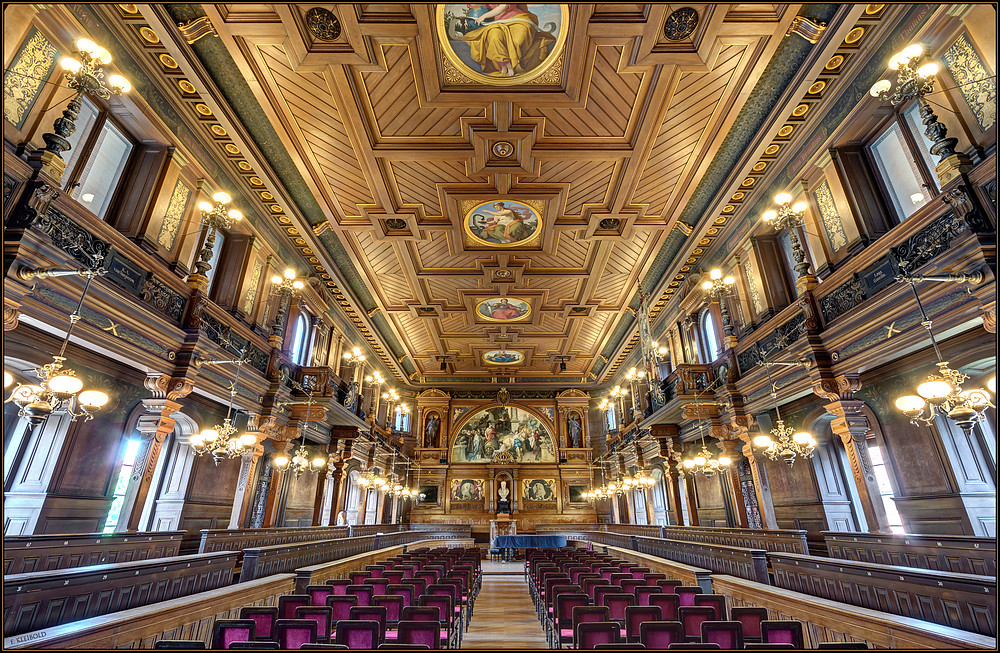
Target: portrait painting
x=428, y=494
x=506, y=429
x=502, y=309
x=576, y=493
x=502, y=223
x=503, y=357
x=538, y=489
x=502, y=44
x=467, y=489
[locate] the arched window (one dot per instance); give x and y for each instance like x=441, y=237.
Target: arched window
x=300, y=342
x=659, y=496
x=709, y=338
x=353, y=496
x=402, y=421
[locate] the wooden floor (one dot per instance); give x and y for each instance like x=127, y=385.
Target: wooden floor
x=504, y=616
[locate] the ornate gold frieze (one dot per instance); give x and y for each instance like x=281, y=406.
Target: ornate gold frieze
x=250, y=298
x=26, y=76
x=831, y=219
x=978, y=87
x=752, y=285
x=175, y=213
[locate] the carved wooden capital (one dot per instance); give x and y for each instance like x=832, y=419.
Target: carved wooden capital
x=840, y=388
x=11, y=316
x=989, y=320
x=164, y=386
x=850, y=421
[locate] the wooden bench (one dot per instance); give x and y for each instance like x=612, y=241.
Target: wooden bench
x=963, y=554
x=43, y=599
x=745, y=563
x=237, y=539
x=783, y=540
x=956, y=600
x=824, y=620
x=23, y=554
x=189, y=617
x=690, y=575
x=264, y=561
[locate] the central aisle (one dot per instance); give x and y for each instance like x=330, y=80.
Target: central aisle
x=505, y=616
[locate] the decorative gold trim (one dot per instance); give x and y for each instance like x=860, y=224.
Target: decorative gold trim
x=808, y=29
x=554, y=57
x=196, y=29
x=495, y=319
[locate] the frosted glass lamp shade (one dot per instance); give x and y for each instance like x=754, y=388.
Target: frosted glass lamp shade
x=92, y=399
x=64, y=384
x=782, y=198
x=910, y=404
x=934, y=389
x=763, y=441
x=222, y=197
x=880, y=87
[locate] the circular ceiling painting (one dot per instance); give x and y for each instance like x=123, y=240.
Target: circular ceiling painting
x=502, y=44
x=502, y=309
x=502, y=224
x=503, y=357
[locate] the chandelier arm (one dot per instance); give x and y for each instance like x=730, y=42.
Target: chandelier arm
x=925, y=321
x=74, y=317
x=774, y=393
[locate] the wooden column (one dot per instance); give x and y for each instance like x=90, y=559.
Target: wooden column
x=692, y=501
x=731, y=448
x=761, y=487
x=248, y=464
x=275, y=490
x=154, y=426
x=629, y=508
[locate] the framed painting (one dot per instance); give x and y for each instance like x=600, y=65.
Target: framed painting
x=467, y=489
x=538, y=489
x=501, y=224
x=503, y=357
x=502, y=309
x=428, y=495
x=498, y=429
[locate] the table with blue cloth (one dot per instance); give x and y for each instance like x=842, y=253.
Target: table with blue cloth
x=510, y=543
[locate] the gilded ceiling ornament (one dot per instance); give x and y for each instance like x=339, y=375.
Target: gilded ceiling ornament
x=680, y=24
x=323, y=24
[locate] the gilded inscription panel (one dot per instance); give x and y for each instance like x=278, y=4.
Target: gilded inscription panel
x=175, y=213
x=26, y=76
x=978, y=87
x=831, y=219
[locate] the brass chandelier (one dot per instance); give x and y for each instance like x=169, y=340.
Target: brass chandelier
x=942, y=393
x=703, y=462
x=783, y=442
x=300, y=461
x=59, y=388
x=221, y=440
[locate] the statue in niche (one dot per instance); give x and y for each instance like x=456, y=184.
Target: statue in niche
x=342, y=518
x=575, y=429
x=431, y=431
x=504, y=504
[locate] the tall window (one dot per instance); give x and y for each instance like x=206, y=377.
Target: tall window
x=402, y=421
x=659, y=496
x=353, y=497
x=683, y=518
x=710, y=340
x=610, y=420
x=131, y=449
x=899, y=157
x=301, y=338
x=220, y=242
x=100, y=151
x=885, y=488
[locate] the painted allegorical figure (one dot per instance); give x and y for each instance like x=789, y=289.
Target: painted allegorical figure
x=508, y=40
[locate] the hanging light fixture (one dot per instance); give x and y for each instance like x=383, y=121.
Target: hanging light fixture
x=703, y=462
x=59, y=388
x=721, y=287
x=215, y=217
x=285, y=287
x=301, y=462
x=221, y=440
x=790, y=216
x=942, y=392
x=783, y=442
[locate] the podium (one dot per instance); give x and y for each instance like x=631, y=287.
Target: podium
x=503, y=525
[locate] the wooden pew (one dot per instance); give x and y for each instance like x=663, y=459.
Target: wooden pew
x=745, y=563
x=824, y=620
x=43, y=599
x=23, y=554
x=963, y=554
x=783, y=540
x=264, y=561
x=690, y=575
x=372, y=529
x=956, y=600
x=237, y=539
x=189, y=617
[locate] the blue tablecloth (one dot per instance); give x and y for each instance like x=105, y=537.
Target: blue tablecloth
x=529, y=541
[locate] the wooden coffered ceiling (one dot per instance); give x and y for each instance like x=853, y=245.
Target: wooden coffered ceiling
x=392, y=148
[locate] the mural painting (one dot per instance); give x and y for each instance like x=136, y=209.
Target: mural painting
x=538, y=489
x=503, y=429
x=467, y=489
x=502, y=223
x=503, y=357
x=502, y=309
x=502, y=44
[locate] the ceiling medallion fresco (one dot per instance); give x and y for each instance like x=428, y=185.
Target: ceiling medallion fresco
x=502, y=224
x=502, y=44
x=503, y=357
x=502, y=309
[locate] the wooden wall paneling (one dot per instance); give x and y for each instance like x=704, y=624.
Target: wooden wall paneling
x=134, y=204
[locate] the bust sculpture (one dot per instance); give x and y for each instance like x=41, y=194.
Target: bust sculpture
x=503, y=491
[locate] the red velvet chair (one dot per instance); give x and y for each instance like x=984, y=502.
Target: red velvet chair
x=263, y=617
x=227, y=631
x=717, y=601
x=339, y=585
x=660, y=634
x=727, y=634
x=750, y=617
x=376, y=613
x=782, y=632
x=562, y=630
x=322, y=615
x=687, y=593
x=341, y=606
x=635, y=615
x=590, y=634
x=288, y=602
x=363, y=592
x=419, y=632
x=692, y=617
x=588, y=614
x=318, y=593
x=293, y=633
x=668, y=604
x=359, y=634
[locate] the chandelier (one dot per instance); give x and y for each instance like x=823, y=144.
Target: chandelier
x=59, y=388
x=214, y=217
x=720, y=287
x=703, y=462
x=789, y=216
x=300, y=461
x=371, y=478
x=221, y=440
x=285, y=287
x=942, y=392
x=784, y=442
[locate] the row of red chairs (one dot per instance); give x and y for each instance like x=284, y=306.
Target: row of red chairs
x=418, y=599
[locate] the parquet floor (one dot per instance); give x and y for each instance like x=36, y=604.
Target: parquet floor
x=505, y=616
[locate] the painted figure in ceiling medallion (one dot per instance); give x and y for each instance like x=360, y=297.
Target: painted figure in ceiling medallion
x=502, y=44
x=503, y=357
x=502, y=309
x=499, y=224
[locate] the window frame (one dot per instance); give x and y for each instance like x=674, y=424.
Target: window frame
x=305, y=339
x=703, y=336
x=927, y=179
x=87, y=150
